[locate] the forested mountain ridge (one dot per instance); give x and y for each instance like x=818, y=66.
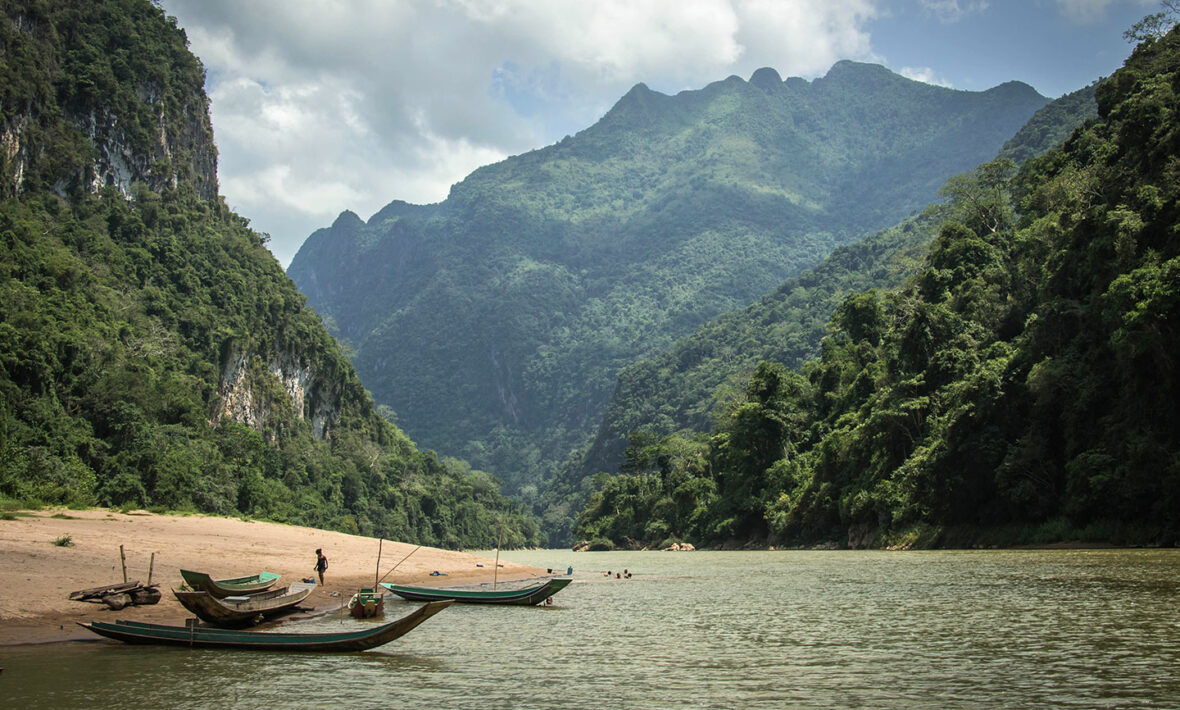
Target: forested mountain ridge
x=682, y=388
x=1019, y=388
x=152, y=352
x=494, y=323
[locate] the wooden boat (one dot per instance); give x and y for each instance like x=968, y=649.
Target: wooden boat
x=204, y=637
x=366, y=604
x=237, y=586
x=243, y=610
x=527, y=596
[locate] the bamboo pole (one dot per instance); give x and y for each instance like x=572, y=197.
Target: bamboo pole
x=151, y=566
x=123, y=562
x=391, y=569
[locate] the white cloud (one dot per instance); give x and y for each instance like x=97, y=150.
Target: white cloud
x=801, y=38
x=925, y=75
x=320, y=107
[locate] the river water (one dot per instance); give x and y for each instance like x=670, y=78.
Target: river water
x=809, y=629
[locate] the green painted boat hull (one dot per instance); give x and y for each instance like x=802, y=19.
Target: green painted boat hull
x=203, y=637
x=528, y=596
x=222, y=588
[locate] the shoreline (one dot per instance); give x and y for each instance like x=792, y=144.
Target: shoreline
x=34, y=599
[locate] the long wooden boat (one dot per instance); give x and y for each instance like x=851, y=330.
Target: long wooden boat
x=203, y=637
x=236, y=586
x=527, y=596
x=243, y=610
x=367, y=603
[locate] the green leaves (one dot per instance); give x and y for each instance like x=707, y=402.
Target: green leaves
x=1024, y=379
x=497, y=322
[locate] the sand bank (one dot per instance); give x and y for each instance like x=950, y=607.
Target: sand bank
x=39, y=575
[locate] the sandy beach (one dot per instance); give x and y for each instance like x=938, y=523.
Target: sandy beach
x=34, y=597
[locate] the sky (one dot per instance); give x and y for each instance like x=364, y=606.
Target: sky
x=321, y=106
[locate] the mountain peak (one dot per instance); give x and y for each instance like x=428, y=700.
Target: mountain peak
x=637, y=93
x=348, y=220
x=1014, y=88
x=635, y=107
x=766, y=79
x=846, y=69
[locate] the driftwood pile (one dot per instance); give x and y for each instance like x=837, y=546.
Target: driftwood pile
x=118, y=596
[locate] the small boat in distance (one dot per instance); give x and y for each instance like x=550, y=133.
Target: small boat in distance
x=527, y=596
x=237, y=586
x=243, y=610
x=202, y=637
x=367, y=603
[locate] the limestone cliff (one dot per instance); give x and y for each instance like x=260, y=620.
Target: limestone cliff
x=253, y=388
x=104, y=112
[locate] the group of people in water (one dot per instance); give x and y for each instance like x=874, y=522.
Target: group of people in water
x=625, y=574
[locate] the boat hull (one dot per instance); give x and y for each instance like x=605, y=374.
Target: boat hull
x=201, y=637
x=529, y=596
x=366, y=604
x=243, y=611
x=222, y=588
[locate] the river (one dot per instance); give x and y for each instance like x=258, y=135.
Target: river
x=809, y=629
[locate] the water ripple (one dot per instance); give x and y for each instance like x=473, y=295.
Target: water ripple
x=985, y=629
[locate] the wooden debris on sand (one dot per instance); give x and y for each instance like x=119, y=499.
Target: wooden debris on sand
x=118, y=596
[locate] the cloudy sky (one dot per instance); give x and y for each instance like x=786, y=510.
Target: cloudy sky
x=325, y=105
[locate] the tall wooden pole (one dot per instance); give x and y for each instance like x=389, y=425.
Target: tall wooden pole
x=123, y=562
x=496, y=573
x=151, y=566
x=377, y=574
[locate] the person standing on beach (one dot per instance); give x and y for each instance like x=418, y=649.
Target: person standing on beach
x=321, y=564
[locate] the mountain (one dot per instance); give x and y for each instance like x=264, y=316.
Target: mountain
x=1052, y=124
x=152, y=352
x=682, y=387
x=1019, y=388
x=494, y=323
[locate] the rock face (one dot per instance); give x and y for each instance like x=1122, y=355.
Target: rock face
x=101, y=115
x=253, y=389
x=179, y=151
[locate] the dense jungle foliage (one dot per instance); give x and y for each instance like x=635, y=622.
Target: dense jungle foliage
x=94, y=93
x=495, y=322
x=1020, y=388
x=684, y=386
x=123, y=322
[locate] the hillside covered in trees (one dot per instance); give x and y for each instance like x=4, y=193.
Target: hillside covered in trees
x=685, y=386
x=152, y=352
x=495, y=323
x=1020, y=388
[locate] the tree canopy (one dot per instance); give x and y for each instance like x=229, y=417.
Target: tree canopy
x=1018, y=388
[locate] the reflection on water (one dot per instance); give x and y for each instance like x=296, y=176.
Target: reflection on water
x=1058, y=628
